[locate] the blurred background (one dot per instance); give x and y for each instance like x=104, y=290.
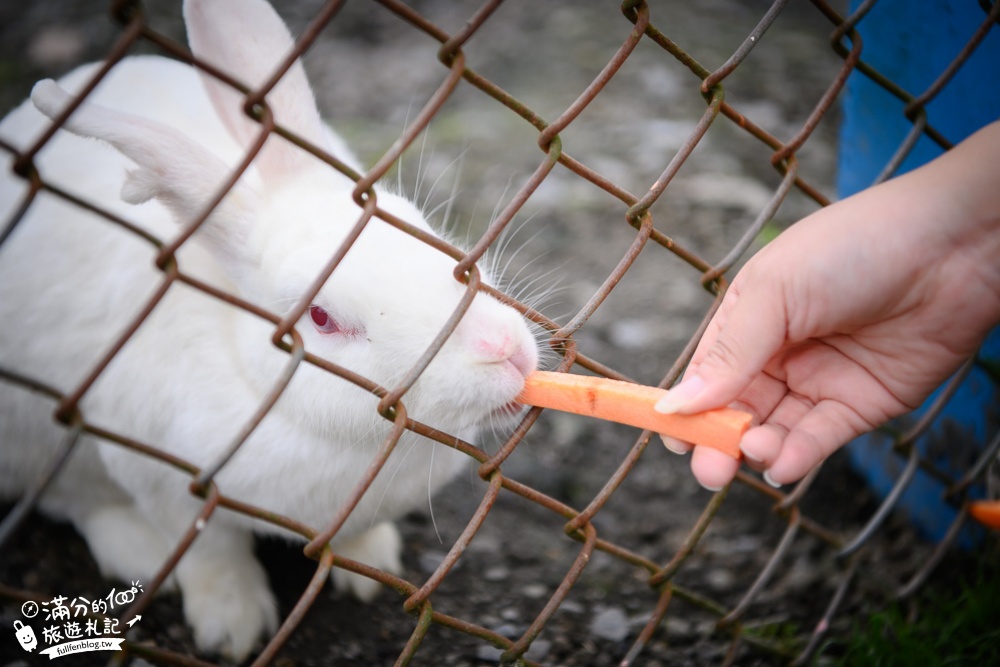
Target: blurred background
x=372, y=72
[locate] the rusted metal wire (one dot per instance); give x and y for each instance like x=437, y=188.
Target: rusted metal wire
x=399, y=424
x=765, y=575
x=640, y=24
x=744, y=49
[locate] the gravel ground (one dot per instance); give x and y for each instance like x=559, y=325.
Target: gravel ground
x=371, y=73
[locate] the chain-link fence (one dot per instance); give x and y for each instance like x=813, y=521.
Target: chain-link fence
x=584, y=544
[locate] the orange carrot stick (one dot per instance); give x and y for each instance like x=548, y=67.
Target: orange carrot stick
x=632, y=404
x=986, y=512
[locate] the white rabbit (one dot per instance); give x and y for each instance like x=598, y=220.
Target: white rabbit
x=71, y=281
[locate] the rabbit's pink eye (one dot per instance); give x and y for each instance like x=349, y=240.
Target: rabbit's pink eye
x=324, y=323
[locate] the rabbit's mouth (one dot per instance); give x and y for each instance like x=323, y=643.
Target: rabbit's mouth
x=508, y=410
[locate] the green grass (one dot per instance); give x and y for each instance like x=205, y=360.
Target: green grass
x=956, y=624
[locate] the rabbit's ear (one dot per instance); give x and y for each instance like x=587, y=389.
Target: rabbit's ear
x=172, y=168
x=248, y=40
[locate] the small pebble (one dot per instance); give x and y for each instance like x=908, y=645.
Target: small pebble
x=610, y=624
x=720, y=579
x=535, y=591
x=498, y=573
x=430, y=560
x=678, y=628
x=488, y=653
x=538, y=649
x=631, y=333
x=508, y=630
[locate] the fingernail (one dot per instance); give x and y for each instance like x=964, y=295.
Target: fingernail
x=767, y=478
x=750, y=457
x=674, y=445
x=713, y=489
x=680, y=395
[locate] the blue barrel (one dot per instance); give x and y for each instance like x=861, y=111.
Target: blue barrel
x=912, y=43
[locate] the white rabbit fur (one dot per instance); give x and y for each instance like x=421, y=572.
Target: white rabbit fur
x=197, y=369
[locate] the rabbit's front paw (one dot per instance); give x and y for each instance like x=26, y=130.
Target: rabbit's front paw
x=229, y=605
x=381, y=548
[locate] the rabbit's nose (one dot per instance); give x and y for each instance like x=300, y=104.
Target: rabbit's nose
x=502, y=345
x=524, y=358
x=495, y=347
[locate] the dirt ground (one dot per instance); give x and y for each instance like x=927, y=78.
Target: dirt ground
x=371, y=73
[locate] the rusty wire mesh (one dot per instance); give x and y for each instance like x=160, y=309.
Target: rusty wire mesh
x=422, y=599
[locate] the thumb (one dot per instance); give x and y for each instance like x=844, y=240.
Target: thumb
x=746, y=332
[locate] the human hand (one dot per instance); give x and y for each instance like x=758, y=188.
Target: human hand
x=852, y=316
